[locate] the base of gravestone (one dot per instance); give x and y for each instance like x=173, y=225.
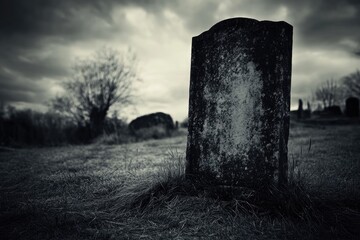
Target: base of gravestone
x=267, y=200
x=207, y=187
x=209, y=181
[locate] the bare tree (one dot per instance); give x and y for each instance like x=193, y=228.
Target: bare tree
x=352, y=84
x=97, y=83
x=329, y=93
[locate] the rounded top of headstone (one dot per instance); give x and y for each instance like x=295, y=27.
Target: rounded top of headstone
x=240, y=22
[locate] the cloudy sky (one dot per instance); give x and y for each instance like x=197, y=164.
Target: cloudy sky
x=40, y=39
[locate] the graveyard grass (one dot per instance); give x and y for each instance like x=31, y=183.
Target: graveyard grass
x=137, y=191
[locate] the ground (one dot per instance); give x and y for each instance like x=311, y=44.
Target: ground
x=132, y=192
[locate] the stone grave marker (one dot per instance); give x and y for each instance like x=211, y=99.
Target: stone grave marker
x=300, y=110
x=239, y=103
x=352, y=107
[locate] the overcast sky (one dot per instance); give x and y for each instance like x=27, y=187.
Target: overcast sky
x=40, y=39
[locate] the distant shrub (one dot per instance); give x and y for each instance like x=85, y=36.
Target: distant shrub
x=20, y=128
x=27, y=127
x=115, y=132
x=154, y=132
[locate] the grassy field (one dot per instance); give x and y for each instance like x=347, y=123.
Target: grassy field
x=137, y=191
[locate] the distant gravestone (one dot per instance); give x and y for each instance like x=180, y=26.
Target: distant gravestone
x=352, y=107
x=239, y=103
x=300, y=110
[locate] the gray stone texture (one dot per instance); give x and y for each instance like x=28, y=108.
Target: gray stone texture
x=239, y=103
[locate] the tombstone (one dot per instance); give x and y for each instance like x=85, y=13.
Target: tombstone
x=300, y=110
x=352, y=107
x=239, y=103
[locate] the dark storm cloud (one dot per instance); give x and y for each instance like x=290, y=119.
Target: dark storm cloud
x=16, y=88
x=48, y=17
x=27, y=31
x=328, y=23
x=66, y=18
x=33, y=67
x=318, y=23
x=34, y=34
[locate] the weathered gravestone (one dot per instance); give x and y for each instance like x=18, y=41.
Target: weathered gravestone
x=352, y=107
x=300, y=110
x=239, y=103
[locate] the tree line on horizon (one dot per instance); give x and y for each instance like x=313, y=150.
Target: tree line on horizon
x=98, y=83
x=80, y=115
x=334, y=92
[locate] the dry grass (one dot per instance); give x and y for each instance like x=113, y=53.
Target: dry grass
x=137, y=191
